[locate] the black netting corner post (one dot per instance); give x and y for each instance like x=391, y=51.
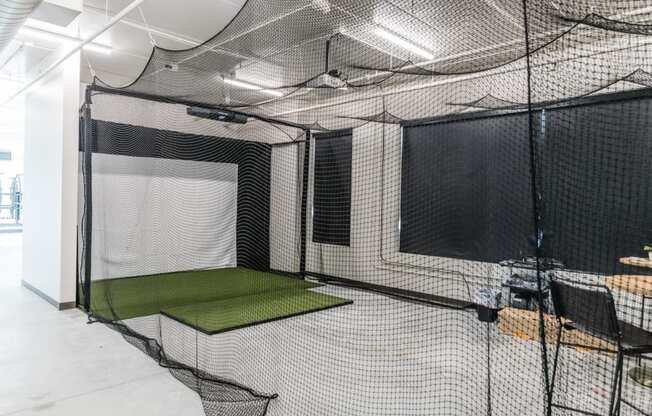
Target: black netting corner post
x=536, y=214
x=304, y=203
x=87, y=220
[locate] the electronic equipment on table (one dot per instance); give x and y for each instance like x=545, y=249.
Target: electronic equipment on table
x=522, y=285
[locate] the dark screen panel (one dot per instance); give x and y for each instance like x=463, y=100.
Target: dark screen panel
x=462, y=181
x=595, y=174
x=465, y=189
x=332, y=188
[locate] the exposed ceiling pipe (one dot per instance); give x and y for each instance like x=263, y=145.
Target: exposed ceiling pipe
x=13, y=14
x=76, y=49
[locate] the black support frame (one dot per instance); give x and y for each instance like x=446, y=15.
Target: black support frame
x=304, y=202
x=87, y=169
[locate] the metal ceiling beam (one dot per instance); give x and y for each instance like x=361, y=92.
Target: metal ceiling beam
x=190, y=103
x=76, y=49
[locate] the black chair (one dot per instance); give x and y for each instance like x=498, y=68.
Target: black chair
x=590, y=308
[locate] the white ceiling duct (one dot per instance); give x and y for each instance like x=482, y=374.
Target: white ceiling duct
x=12, y=15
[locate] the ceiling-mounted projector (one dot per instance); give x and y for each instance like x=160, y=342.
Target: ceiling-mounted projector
x=331, y=79
x=215, y=114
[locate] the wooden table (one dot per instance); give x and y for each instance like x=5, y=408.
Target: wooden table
x=524, y=324
x=632, y=283
x=637, y=261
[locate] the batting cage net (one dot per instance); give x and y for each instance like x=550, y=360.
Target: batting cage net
x=383, y=207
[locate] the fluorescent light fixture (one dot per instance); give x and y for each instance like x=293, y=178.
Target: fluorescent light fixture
x=62, y=38
x=44, y=35
x=47, y=26
x=405, y=44
x=96, y=47
x=248, y=86
x=375, y=45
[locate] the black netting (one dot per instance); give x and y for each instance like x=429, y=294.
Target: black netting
x=343, y=207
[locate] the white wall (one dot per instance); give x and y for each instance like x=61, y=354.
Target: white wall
x=373, y=255
x=51, y=164
x=285, y=208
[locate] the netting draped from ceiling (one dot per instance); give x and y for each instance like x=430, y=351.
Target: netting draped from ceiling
x=386, y=168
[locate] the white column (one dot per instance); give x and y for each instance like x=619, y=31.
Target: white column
x=51, y=169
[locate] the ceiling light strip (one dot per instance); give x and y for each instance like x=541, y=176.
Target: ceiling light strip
x=248, y=86
x=403, y=43
x=60, y=37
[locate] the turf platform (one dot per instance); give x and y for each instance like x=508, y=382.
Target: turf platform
x=211, y=301
x=234, y=313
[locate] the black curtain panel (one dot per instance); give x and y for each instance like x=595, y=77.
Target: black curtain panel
x=332, y=188
x=465, y=189
x=595, y=178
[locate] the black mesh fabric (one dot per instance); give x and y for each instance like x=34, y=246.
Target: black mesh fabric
x=488, y=147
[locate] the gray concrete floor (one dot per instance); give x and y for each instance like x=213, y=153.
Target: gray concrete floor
x=385, y=357
x=10, y=258
x=378, y=356
x=53, y=363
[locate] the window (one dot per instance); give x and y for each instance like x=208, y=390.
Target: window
x=5, y=155
x=465, y=184
x=596, y=186
x=332, y=188
x=465, y=189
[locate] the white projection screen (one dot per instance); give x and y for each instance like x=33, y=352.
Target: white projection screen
x=155, y=215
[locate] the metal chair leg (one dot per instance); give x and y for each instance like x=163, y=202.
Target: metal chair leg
x=614, y=402
x=554, y=365
x=554, y=368
x=620, y=385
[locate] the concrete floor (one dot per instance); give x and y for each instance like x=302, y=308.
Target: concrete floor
x=381, y=356
x=10, y=258
x=378, y=356
x=53, y=363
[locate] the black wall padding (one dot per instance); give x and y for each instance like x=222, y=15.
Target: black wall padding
x=596, y=170
x=332, y=188
x=254, y=169
x=465, y=189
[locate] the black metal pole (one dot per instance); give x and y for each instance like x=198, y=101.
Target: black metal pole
x=536, y=219
x=190, y=103
x=88, y=197
x=304, y=203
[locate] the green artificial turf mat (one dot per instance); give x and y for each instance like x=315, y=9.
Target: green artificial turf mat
x=239, y=312
x=116, y=299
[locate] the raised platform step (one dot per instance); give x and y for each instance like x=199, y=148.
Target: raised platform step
x=234, y=313
x=131, y=297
